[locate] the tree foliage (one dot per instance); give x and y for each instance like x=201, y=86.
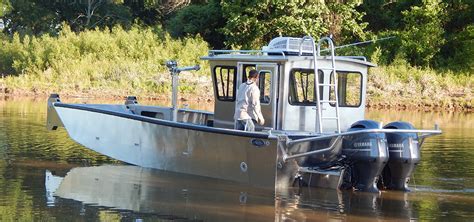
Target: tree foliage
x=463, y=53
x=42, y=16
x=422, y=36
x=383, y=15
x=435, y=33
x=151, y=12
x=429, y=32
x=5, y=7
x=202, y=19
x=458, y=51
x=254, y=23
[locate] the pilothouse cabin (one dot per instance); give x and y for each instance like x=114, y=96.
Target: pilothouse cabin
x=287, y=86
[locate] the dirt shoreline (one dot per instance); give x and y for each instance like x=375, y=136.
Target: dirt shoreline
x=393, y=104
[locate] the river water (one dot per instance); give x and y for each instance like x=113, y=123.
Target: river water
x=48, y=177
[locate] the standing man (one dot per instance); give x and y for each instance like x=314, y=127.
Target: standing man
x=247, y=107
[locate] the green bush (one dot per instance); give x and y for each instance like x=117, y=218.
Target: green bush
x=419, y=87
x=114, y=60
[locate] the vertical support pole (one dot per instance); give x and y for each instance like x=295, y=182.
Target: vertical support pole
x=336, y=88
x=174, y=70
x=319, y=107
x=174, y=96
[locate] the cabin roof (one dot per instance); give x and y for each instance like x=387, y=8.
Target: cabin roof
x=281, y=58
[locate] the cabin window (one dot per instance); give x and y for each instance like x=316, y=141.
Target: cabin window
x=264, y=84
x=224, y=82
x=349, y=91
x=302, y=87
x=245, y=71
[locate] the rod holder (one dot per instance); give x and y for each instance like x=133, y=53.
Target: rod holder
x=174, y=71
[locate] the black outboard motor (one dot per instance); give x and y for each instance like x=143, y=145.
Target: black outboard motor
x=404, y=156
x=366, y=156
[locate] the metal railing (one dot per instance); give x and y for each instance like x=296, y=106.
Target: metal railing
x=319, y=102
x=244, y=52
x=285, y=142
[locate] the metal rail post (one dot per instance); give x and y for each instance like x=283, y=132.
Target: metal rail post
x=174, y=70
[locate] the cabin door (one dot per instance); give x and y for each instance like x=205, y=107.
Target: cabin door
x=268, y=80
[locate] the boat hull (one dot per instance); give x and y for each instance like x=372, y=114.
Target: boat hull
x=248, y=158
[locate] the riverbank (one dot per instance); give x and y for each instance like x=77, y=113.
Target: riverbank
x=195, y=88
x=400, y=86
x=397, y=87
x=117, y=62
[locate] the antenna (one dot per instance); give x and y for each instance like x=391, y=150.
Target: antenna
x=364, y=42
x=360, y=43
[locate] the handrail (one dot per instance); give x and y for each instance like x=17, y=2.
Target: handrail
x=339, y=136
x=354, y=57
x=334, y=76
x=425, y=133
x=230, y=51
x=319, y=124
x=305, y=38
x=287, y=157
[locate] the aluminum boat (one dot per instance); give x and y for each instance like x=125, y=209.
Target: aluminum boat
x=315, y=133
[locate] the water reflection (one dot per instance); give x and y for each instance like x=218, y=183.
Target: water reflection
x=170, y=195
x=161, y=193
x=346, y=205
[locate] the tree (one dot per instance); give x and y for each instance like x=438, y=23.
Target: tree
x=460, y=14
x=5, y=7
x=423, y=33
x=28, y=18
x=458, y=51
x=383, y=15
x=89, y=14
x=151, y=12
x=253, y=23
x=40, y=16
x=202, y=19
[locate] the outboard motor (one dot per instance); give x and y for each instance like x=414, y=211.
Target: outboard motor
x=404, y=156
x=366, y=156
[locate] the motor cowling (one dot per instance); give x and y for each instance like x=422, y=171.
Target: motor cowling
x=404, y=155
x=366, y=156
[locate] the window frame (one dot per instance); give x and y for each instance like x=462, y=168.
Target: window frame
x=216, y=87
x=262, y=92
x=338, y=93
x=291, y=84
x=244, y=71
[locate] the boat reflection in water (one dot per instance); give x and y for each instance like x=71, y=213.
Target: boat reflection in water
x=186, y=197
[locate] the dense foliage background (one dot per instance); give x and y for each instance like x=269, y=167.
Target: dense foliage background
x=112, y=43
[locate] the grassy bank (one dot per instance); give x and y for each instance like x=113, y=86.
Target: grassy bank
x=101, y=63
x=113, y=63
x=404, y=87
